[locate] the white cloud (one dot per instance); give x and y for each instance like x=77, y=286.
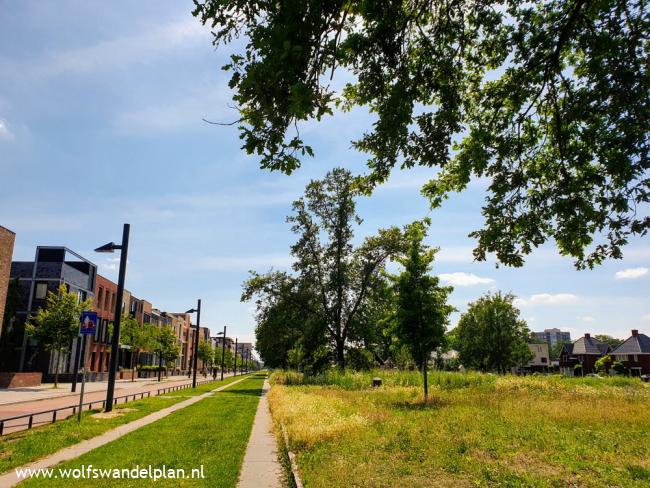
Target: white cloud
x=632, y=273
x=587, y=318
x=546, y=299
x=464, y=279
x=5, y=132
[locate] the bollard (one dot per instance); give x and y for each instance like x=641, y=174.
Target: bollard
x=376, y=382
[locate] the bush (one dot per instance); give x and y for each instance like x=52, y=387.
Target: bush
x=151, y=368
x=359, y=359
x=619, y=367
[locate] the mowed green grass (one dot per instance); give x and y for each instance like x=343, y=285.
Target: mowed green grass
x=24, y=447
x=499, y=431
x=212, y=433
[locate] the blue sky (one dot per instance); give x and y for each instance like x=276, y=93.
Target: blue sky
x=100, y=123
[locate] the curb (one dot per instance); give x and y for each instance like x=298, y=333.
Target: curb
x=295, y=474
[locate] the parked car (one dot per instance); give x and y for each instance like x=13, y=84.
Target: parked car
x=592, y=375
x=645, y=377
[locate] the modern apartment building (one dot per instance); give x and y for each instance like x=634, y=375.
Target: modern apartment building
x=7, y=239
x=553, y=336
x=52, y=266
x=104, y=305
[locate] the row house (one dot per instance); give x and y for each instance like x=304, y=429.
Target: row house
x=584, y=351
x=634, y=353
x=52, y=267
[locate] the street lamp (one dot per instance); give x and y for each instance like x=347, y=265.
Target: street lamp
x=234, y=370
x=115, y=340
x=223, y=350
x=196, y=339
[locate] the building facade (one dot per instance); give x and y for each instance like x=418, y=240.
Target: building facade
x=541, y=360
x=7, y=239
x=553, y=336
x=100, y=343
x=585, y=352
x=52, y=266
x=634, y=353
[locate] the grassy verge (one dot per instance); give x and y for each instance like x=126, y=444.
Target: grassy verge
x=26, y=446
x=492, y=431
x=212, y=433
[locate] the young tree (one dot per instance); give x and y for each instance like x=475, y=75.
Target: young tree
x=335, y=275
x=491, y=336
x=546, y=99
x=206, y=353
x=141, y=338
x=166, y=345
x=604, y=364
x=422, y=309
x=56, y=325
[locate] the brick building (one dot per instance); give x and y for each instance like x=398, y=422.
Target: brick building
x=634, y=353
x=104, y=305
x=7, y=239
x=584, y=351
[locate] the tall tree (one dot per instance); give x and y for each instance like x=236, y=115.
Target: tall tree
x=422, y=310
x=491, y=336
x=335, y=275
x=56, y=325
x=549, y=100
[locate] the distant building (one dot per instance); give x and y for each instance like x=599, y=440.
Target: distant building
x=584, y=351
x=541, y=360
x=634, y=353
x=52, y=267
x=7, y=239
x=553, y=336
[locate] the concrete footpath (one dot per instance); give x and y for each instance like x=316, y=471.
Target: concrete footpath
x=261, y=468
x=11, y=479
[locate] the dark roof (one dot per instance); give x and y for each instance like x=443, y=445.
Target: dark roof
x=589, y=345
x=638, y=344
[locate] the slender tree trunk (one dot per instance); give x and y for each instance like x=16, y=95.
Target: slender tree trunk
x=426, y=381
x=56, y=369
x=132, y=369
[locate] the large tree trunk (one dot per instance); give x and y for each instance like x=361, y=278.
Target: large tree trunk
x=340, y=354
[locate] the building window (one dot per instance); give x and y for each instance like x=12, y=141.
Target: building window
x=41, y=291
x=544, y=360
x=100, y=295
x=112, y=301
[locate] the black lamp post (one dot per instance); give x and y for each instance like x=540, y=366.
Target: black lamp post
x=223, y=350
x=115, y=340
x=195, y=356
x=234, y=370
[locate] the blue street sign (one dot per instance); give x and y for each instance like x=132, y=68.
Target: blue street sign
x=88, y=323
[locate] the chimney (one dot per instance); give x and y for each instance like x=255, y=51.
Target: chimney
x=587, y=335
x=635, y=332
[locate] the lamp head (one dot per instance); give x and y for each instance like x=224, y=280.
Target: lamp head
x=110, y=247
x=191, y=310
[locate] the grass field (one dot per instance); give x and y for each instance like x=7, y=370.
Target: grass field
x=212, y=433
x=477, y=430
x=23, y=447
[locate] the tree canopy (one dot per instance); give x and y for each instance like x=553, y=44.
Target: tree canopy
x=333, y=279
x=491, y=336
x=547, y=100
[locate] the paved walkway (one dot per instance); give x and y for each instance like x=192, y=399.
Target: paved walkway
x=69, y=402
x=11, y=479
x=261, y=468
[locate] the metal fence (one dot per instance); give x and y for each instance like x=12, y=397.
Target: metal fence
x=73, y=408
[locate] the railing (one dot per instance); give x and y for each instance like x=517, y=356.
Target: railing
x=74, y=408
